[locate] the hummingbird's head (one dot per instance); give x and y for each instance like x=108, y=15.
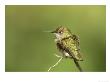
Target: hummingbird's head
x=61, y=32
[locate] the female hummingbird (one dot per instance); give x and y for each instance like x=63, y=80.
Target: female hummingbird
x=68, y=44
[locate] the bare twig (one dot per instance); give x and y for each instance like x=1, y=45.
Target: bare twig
x=57, y=56
x=57, y=62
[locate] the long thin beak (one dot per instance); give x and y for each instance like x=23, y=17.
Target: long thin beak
x=50, y=31
x=53, y=32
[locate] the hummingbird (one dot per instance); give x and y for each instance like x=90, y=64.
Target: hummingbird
x=68, y=44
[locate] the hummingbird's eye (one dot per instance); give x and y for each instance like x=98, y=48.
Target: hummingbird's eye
x=61, y=32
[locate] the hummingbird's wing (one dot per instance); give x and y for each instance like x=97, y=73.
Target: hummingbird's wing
x=76, y=43
x=70, y=45
x=76, y=39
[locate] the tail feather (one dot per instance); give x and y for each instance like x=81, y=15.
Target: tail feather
x=77, y=64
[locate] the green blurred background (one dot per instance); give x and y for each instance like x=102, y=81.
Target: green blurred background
x=30, y=49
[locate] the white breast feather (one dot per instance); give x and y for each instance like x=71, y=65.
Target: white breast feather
x=66, y=54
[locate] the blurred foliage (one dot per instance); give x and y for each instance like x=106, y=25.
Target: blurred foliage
x=29, y=48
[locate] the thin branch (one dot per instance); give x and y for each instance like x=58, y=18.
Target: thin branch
x=56, y=63
x=57, y=56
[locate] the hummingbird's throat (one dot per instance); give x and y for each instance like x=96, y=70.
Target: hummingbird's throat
x=58, y=36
